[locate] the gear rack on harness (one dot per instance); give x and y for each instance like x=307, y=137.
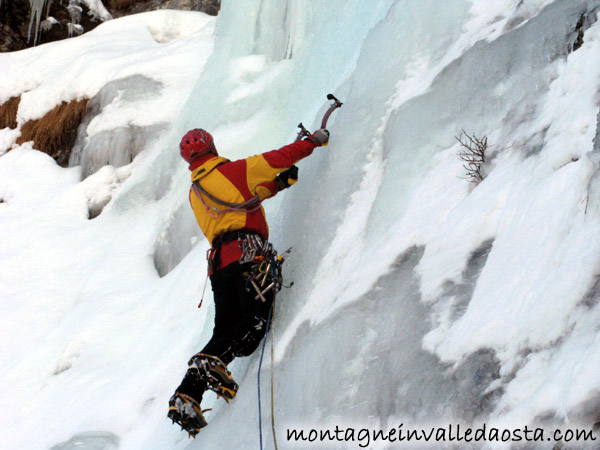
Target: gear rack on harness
x=266, y=272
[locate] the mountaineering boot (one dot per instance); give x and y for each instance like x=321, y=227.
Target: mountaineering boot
x=214, y=372
x=186, y=411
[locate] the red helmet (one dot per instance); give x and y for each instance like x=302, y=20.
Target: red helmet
x=196, y=143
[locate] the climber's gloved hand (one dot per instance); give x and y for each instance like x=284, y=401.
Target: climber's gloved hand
x=286, y=178
x=320, y=137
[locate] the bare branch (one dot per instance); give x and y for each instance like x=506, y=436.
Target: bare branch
x=473, y=154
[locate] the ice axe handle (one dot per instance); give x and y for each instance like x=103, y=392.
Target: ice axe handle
x=336, y=104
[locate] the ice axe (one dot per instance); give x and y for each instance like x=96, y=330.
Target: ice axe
x=336, y=104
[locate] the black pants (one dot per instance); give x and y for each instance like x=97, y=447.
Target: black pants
x=240, y=321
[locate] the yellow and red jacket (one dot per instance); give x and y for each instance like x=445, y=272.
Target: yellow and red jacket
x=237, y=182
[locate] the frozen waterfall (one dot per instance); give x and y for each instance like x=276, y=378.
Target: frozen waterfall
x=419, y=299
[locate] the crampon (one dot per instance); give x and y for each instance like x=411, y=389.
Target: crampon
x=212, y=370
x=186, y=412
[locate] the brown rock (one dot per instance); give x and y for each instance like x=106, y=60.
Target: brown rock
x=55, y=133
x=8, y=113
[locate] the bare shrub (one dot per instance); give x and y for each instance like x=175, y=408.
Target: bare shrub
x=473, y=154
x=8, y=113
x=55, y=133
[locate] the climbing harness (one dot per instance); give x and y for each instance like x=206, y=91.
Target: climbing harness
x=213, y=254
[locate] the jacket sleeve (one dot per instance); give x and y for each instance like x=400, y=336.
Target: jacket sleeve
x=262, y=169
x=267, y=190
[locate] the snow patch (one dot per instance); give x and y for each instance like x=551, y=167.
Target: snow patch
x=93, y=440
x=100, y=187
x=163, y=25
x=8, y=137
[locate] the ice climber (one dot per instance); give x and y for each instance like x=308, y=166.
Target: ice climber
x=226, y=199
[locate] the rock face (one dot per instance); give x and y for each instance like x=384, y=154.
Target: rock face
x=66, y=18
x=61, y=20
x=120, y=8
x=14, y=17
x=210, y=7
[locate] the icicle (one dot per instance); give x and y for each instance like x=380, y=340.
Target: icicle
x=75, y=11
x=74, y=29
x=41, y=8
x=48, y=23
x=37, y=7
x=48, y=5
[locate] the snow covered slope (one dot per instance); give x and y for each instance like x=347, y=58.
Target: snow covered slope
x=418, y=299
